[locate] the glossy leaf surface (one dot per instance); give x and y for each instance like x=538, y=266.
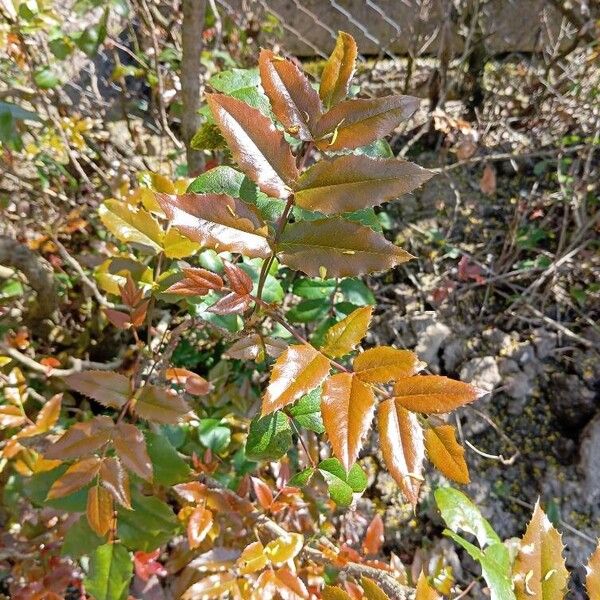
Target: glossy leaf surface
x=347, y=406
x=217, y=221
x=110, y=571
x=130, y=445
x=401, y=439
x=296, y=372
x=353, y=182
x=446, y=453
x=158, y=405
x=109, y=389
x=257, y=146
x=384, y=364
x=344, y=336
x=358, y=122
x=338, y=247
x=338, y=70
x=294, y=101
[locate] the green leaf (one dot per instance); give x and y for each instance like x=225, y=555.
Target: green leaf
x=341, y=484
x=60, y=47
x=495, y=566
x=214, y=435
x=377, y=149
x=302, y=478
x=80, y=539
x=269, y=438
x=272, y=290
x=46, y=78
x=92, y=36
x=234, y=79
x=308, y=311
x=37, y=486
x=313, y=289
x=111, y=569
x=307, y=411
x=150, y=524
x=459, y=513
x=226, y=180
x=168, y=467
x=18, y=113
x=356, y=292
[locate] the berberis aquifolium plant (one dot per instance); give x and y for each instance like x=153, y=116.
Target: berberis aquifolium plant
x=278, y=243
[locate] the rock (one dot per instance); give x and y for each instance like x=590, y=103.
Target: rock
x=518, y=386
x=544, y=342
x=497, y=341
x=430, y=341
x=590, y=459
x=454, y=354
x=572, y=402
x=482, y=372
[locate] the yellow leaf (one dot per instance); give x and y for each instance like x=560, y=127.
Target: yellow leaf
x=129, y=224
x=161, y=183
x=213, y=586
x=592, y=581
x=46, y=419
x=300, y=369
x=335, y=593
x=99, y=510
x=539, y=571
x=284, y=548
x=252, y=559
x=344, y=336
x=446, y=453
x=4, y=360
x=385, y=364
x=372, y=590
x=199, y=525
x=178, y=246
x=424, y=590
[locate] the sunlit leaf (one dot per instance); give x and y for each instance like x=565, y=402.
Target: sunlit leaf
x=106, y=387
x=293, y=100
x=11, y=416
x=76, y=476
x=161, y=406
x=130, y=224
x=372, y=589
x=208, y=588
x=263, y=492
x=81, y=439
x=296, y=372
x=178, y=246
x=539, y=570
x=334, y=593
x=401, y=439
x=257, y=146
x=269, y=437
x=289, y=584
x=358, y=122
x=130, y=445
x=446, y=453
x=338, y=70
x=239, y=281
x=353, y=182
x=433, y=393
x=252, y=559
x=424, y=590
x=384, y=364
x=109, y=573
x=373, y=539
x=336, y=247
x=217, y=221
x=592, y=580
x=347, y=406
x=116, y=481
x=199, y=525
x=254, y=347
x=344, y=336
x=284, y=548
x=99, y=511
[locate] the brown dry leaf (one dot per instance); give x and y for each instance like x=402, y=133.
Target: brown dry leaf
x=433, y=393
x=201, y=520
x=335, y=247
x=353, y=182
x=466, y=148
x=384, y=364
x=99, y=510
x=257, y=146
x=75, y=477
x=344, y=336
x=217, y=221
x=592, y=581
x=116, y=481
x=446, y=453
x=401, y=439
x=373, y=539
x=347, y=406
x=487, y=183
x=300, y=369
x=539, y=570
x=130, y=445
x=338, y=70
x=160, y=405
x=294, y=101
